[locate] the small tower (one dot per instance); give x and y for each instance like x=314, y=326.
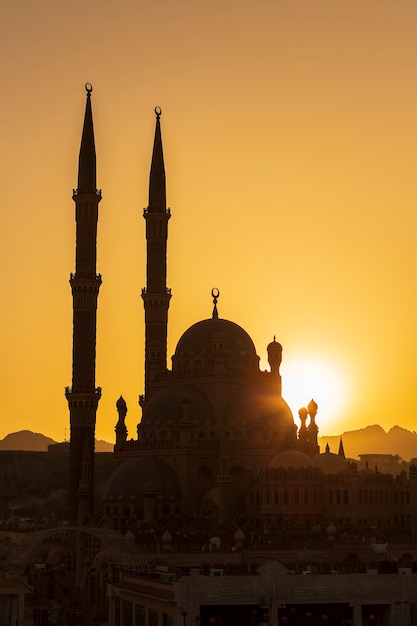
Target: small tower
x=274, y=350
x=156, y=295
x=120, y=429
x=303, y=430
x=313, y=429
x=83, y=396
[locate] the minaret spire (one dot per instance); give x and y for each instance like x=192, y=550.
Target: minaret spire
x=157, y=185
x=156, y=295
x=83, y=396
x=87, y=158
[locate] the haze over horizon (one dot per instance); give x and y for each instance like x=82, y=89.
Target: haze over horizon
x=289, y=132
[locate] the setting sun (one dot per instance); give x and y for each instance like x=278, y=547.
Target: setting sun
x=307, y=377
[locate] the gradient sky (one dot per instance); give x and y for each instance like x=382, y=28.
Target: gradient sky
x=290, y=139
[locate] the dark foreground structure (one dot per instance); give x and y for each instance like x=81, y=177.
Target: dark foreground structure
x=216, y=443
x=221, y=509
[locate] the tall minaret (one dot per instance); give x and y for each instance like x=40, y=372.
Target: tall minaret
x=83, y=396
x=156, y=296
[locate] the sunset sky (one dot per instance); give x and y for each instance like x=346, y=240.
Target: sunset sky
x=290, y=140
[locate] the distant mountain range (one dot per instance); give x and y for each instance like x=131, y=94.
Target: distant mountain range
x=368, y=440
x=374, y=440
x=27, y=441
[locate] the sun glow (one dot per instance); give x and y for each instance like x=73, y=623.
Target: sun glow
x=306, y=377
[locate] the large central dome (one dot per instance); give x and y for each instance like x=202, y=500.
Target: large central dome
x=216, y=335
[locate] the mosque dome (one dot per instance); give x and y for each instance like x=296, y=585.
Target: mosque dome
x=215, y=335
x=261, y=405
x=133, y=476
x=168, y=406
x=292, y=458
x=330, y=463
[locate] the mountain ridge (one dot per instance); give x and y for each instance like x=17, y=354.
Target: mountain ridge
x=29, y=441
x=372, y=439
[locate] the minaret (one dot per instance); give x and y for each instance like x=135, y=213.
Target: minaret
x=156, y=296
x=83, y=396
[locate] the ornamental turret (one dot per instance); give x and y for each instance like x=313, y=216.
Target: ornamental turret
x=83, y=396
x=313, y=429
x=120, y=429
x=274, y=350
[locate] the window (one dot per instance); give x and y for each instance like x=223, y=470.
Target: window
x=127, y=613
x=153, y=617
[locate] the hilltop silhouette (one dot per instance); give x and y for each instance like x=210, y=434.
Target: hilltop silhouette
x=374, y=440
x=369, y=440
x=28, y=441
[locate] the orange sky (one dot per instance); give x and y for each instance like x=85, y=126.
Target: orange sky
x=290, y=138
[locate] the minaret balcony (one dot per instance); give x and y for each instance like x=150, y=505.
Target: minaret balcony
x=84, y=277
x=155, y=295
x=75, y=192
x=166, y=213
x=83, y=394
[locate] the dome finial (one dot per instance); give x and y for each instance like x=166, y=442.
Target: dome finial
x=215, y=294
x=158, y=112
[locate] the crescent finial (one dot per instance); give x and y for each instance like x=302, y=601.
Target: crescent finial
x=215, y=295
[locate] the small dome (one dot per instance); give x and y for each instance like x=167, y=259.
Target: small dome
x=168, y=406
x=274, y=347
x=56, y=556
x=104, y=557
x=292, y=458
x=330, y=463
x=134, y=475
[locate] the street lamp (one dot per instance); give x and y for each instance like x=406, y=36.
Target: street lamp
x=184, y=615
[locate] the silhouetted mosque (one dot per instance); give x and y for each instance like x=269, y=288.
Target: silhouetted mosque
x=220, y=494
x=216, y=440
